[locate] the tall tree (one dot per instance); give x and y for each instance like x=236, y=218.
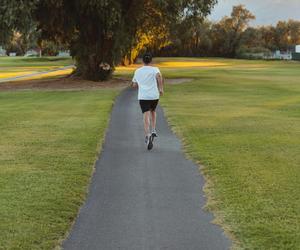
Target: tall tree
x=102, y=32
x=227, y=34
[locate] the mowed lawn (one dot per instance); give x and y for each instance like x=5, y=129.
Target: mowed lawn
x=49, y=142
x=17, y=66
x=241, y=122
x=239, y=119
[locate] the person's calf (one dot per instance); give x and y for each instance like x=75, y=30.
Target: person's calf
x=153, y=119
x=147, y=123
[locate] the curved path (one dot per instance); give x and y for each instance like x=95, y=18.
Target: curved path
x=141, y=199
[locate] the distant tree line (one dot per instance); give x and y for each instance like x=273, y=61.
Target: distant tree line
x=230, y=37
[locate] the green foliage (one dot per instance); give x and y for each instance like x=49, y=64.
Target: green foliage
x=197, y=37
x=15, y=16
x=49, y=48
x=100, y=33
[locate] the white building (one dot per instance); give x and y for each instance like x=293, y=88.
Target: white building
x=279, y=55
x=296, y=54
x=31, y=52
x=64, y=53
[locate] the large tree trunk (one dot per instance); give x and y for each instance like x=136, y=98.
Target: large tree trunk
x=91, y=67
x=94, y=58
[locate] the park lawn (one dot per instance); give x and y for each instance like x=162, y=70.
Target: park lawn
x=241, y=122
x=17, y=66
x=49, y=141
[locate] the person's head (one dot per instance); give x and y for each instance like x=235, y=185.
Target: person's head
x=147, y=58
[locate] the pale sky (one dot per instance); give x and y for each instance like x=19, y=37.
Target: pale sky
x=266, y=11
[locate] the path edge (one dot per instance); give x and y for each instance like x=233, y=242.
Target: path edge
x=98, y=155
x=218, y=218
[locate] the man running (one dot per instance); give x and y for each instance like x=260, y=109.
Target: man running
x=148, y=80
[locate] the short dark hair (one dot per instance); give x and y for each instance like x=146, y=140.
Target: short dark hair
x=147, y=58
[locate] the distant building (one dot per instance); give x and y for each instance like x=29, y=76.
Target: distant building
x=31, y=52
x=296, y=54
x=64, y=53
x=282, y=55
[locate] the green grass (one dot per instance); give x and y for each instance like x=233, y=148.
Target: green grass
x=48, y=144
x=34, y=61
x=241, y=121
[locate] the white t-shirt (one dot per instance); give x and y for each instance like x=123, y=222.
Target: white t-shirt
x=145, y=77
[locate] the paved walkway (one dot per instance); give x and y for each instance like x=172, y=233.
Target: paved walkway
x=142, y=200
x=15, y=78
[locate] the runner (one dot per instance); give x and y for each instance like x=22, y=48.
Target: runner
x=148, y=80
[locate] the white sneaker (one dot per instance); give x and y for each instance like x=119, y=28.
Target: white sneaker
x=154, y=133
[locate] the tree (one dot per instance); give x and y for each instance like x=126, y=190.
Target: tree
x=227, y=33
x=15, y=16
x=268, y=37
x=287, y=34
x=101, y=32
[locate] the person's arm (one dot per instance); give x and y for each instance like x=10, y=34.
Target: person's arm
x=134, y=85
x=160, y=83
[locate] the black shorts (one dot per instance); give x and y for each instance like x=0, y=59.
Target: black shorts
x=148, y=105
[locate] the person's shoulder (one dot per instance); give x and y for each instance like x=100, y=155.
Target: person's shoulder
x=156, y=69
x=139, y=69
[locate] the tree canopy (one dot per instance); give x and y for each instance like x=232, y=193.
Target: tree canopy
x=15, y=16
x=101, y=33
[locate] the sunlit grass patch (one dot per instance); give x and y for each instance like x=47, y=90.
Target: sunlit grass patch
x=15, y=74
x=53, y=74
x=174, y=64
x=18, y=66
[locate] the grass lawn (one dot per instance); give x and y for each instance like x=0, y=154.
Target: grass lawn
x=48, y=144
x=16, y=66
x=241, y=120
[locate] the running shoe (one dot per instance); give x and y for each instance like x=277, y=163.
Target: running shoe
x=150, y=142
x=154, y=133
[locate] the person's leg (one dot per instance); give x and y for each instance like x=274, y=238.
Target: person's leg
x=153, y=120
x=147, y=123
x=153, y=116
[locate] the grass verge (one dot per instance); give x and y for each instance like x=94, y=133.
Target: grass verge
x=48, y=145
x=241, y=121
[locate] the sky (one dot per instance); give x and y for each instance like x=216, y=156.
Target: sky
x=266, y=11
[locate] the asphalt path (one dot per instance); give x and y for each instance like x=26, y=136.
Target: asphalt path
x=140, y=199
